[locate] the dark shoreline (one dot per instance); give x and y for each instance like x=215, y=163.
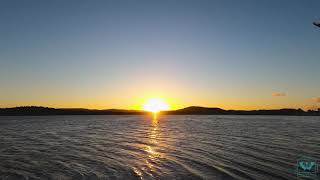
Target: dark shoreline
x=193, y=110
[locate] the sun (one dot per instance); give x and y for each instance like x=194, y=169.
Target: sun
x=155, y=105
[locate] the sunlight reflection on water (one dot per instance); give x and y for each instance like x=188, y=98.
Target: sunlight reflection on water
x=151, y=149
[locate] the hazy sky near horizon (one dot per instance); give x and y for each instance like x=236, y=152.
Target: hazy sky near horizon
x=116, y=54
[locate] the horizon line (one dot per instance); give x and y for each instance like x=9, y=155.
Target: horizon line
x=316, y=109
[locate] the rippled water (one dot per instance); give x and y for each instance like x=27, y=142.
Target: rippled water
x=168, y=147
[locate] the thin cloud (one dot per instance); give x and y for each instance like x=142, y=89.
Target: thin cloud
x=316, y=99
x=279, y=94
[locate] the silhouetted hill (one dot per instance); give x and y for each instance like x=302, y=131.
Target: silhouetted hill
x=196, y=110
x=40, y=111
x=192, y=110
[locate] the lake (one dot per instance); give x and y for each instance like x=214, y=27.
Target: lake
x=163, y=147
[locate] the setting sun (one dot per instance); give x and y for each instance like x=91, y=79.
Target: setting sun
x=155, y=105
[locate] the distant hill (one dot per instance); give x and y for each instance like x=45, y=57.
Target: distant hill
x=192, y=110
x=196, y=110
x=43, y=111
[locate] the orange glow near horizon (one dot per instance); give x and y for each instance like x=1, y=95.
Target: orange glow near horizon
x=155, y=105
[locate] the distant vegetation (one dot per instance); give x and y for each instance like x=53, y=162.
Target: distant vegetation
x=207, y=111
x=40, y=111
x=193, y=110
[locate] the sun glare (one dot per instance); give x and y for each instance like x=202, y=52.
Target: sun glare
x=155, y=105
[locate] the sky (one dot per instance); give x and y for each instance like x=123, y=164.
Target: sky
x=117, y=54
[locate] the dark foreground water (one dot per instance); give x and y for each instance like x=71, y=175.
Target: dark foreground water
x=169, y=147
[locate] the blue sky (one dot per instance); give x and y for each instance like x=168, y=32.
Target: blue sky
x=115, y=54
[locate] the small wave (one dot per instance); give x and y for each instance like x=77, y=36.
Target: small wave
x=175, y=147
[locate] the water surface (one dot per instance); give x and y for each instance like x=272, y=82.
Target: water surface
x=168, y=147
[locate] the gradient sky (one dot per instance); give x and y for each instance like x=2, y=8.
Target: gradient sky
x=116, y=54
